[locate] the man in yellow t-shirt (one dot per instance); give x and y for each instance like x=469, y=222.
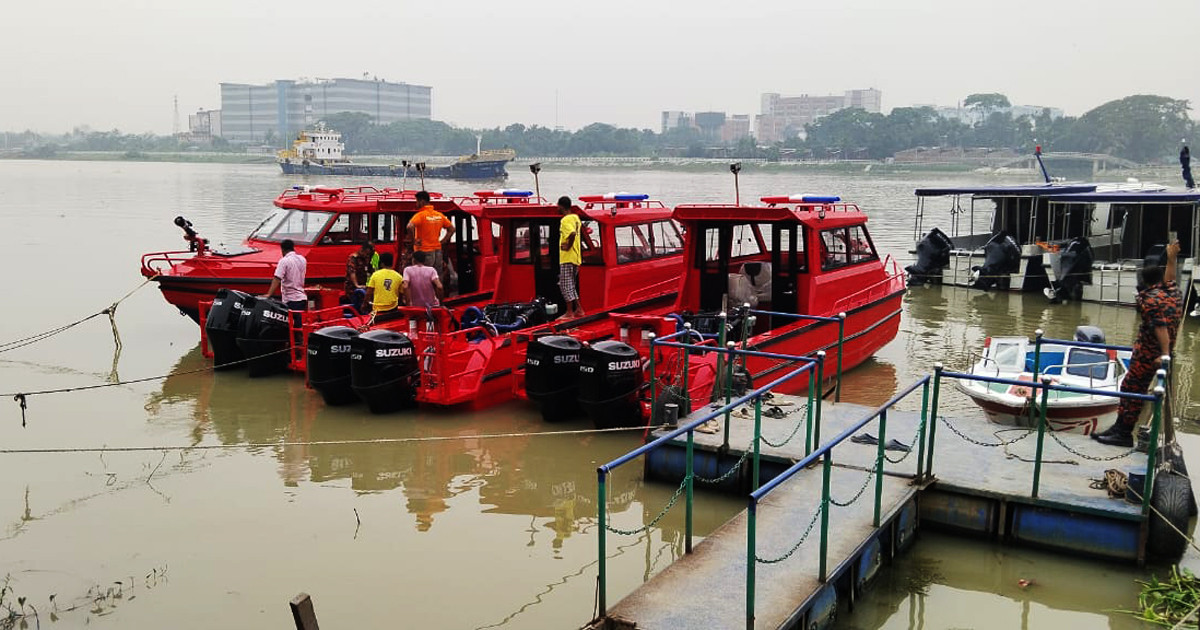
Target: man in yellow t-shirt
x=384, y=289
x=569, y=257
x=425, y=231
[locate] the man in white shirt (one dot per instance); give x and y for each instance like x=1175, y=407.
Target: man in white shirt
x=289, y=278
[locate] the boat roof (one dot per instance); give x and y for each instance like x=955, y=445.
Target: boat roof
x=826, y=215
x=1025, y=190
x=342, y=199
x=616, y=212
x=1130, y=196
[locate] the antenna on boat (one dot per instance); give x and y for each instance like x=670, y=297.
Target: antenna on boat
x=404, y=183
x=421, y=171
x=536, y=168
x=1037, y=152
x=736, y=168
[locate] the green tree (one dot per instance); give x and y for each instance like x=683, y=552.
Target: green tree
x=986, y=102
x=1142, y=128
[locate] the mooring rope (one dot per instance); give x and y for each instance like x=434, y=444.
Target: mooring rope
x=252, y=445
x=110, y=310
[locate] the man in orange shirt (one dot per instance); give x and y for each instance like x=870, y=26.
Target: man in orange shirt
x=425, y=230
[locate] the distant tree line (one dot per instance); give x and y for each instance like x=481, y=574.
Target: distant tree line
x=1140, y=128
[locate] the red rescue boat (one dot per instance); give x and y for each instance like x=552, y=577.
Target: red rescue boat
x=327, y=225
x=632, y=258
x=769, y=268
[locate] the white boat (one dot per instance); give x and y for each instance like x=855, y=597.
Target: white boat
x=1019, y=406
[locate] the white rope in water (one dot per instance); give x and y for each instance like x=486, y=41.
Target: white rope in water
x=214, y=447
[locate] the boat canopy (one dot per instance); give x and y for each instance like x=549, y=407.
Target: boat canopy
x=1035, y=190
x=1129, y=196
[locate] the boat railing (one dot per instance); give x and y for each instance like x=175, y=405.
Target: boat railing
x=1042, y=388
x=892, y=283
x=824, y=454
x=156, y=263
x=840, y=320
x=811, y=366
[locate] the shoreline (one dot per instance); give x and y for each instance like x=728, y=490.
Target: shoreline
x=749, y=165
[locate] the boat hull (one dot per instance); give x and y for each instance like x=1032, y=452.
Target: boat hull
x=1080, y=414
x=487, y=169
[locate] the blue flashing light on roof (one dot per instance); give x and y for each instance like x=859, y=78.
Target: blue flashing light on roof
x=513, y=192
x=624, y=196
x=816, y=198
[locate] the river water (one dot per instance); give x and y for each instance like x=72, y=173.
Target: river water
x=445, y=530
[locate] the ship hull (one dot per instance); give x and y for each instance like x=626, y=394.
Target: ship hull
x=488, y=169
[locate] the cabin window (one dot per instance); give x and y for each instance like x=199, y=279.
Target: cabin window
x=526, y=238
x=633, y=243
x=301, y=226
x=846, y=246
x=667, y=240
x=382, y=228
x=348, y=228
x=590, y=244
x=1087, y=363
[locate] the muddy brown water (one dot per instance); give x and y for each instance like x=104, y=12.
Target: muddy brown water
x=438, y=528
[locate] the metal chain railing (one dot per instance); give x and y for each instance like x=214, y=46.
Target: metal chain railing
x=729, y=473
x=1094, y=458
x=807, y=531
x=795, y=429
x=857, y=495
x=911, y=444
x=981, y=443
x=647, y=526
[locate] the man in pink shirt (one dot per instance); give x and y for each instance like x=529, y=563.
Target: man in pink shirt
x=289, y=278
x=424, y=287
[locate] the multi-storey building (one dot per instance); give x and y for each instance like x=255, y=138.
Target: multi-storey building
x=784, y=117
x=280, y=110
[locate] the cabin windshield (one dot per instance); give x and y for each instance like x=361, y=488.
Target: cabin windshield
x=643, y=241
x=1087, y=363
x=302, y=226
x=756, y=263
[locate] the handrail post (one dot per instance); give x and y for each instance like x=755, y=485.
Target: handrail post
x=731, y=346
x=933, y=417
x=751, y=555
x=837, y=396
x=687, y=336
x=879, y=467
x=748, y=321
x=922, y=428
x=722, y=361
x=1041, y=429
x=653, y=382
x=808, y=424
x=820, y=397
x=757, y=436
x=687, y=544
x=1037, y=351
x=1152, y=452
x=827, y=464
x=602, y=517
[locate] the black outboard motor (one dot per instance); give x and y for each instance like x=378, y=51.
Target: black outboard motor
x=263, y=332
x=383, y=370
x=1075, y=264
x=1001, y=257
x=1089, y=334
x=221, y=327
x=328, y=364
x=610, y=377
x=933, y=255
x=552, y=375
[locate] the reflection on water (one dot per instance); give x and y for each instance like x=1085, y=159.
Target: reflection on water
x=420, y=516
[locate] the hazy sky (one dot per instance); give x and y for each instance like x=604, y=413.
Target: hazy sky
x=118, y=63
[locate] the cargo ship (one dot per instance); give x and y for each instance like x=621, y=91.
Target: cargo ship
x=320, y=152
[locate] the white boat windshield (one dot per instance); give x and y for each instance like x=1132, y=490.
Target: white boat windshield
x=302, y=226
x=1087, y=363
x=1009, y=356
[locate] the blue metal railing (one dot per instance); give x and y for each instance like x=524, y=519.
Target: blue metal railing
x=755, y=396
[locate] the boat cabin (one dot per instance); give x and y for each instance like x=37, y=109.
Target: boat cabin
x=1020, y=211
x=794, y=254
x=631, y=249
x=1140, y=223
x=344, y=219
